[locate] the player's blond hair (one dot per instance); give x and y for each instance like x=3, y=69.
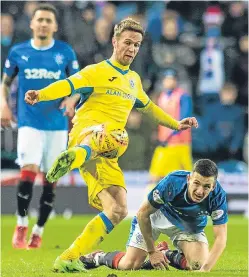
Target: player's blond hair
x=128, y=24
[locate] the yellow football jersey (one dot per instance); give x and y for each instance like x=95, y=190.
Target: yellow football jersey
x=108, y=93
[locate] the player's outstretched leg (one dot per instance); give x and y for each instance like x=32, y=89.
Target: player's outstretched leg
x=68, y=160
x=70, y=266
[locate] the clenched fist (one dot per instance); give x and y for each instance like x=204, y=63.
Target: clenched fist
x=31, y=97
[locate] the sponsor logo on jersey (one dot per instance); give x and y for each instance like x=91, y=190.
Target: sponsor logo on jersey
x=122, y=94
x=156, y=197
x=217, y=214
x=41, y=73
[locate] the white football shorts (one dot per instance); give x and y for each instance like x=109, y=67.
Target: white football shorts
x=40, y=147
x=161, y=225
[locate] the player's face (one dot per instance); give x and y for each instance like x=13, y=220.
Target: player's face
x=126, y=46
x=43, y=24
x=199, y=186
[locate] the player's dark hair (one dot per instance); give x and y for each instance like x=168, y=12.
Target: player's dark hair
x=128, y=24
x=46, y=7
x=206, y=168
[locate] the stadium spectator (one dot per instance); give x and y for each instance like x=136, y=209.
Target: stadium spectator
x=8, y=36
x=170, y=52
x=109, y=90
x=174, y=150
x=82, y=37
x=240, y=71
x=42, y=130
x=225, y=123
x=108, y=12
x=236, y=20
x=177, y=207
x=23, y=22
x=212, y=74
x=102, y=47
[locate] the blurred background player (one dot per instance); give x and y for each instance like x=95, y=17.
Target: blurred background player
x=177, y=207
x=108, y=91
x=43, y=129
x=174, y=150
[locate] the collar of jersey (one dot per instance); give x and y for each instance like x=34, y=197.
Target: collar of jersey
x=42, y=48
x=186, y=198
x=123, y=69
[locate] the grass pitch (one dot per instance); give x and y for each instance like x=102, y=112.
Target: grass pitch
x=60, y=233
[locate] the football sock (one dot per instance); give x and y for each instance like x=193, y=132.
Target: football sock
x=46, y=203
x=82, y=154
x=37, y=230
x=24, y=192
x=92, y=235
x=111, y=259
x=176, y=259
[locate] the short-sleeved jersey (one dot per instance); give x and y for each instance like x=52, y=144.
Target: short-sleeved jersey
x=36, y=69
x=170, y=196
x=108, y=93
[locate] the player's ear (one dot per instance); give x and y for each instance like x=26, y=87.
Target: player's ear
x=56, y=27
x=114, y=42
x=31, y=24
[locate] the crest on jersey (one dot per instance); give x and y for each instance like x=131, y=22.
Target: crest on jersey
x=59, y=58
x=156, y=197
x=217, y=214
x=132, y=84
x=7, y=64
x=75, y=64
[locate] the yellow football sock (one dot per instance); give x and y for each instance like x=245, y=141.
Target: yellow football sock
x=81, y=156
x=92, y=235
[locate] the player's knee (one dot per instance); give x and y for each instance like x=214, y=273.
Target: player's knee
x=119, y=212
x=25, y=190
x=31, y=167
x=195, y=264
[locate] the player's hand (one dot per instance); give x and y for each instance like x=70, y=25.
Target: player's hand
x=7, y=117
x=187, y=123
x=31, y=97
x=158, y=260
x=68, y=104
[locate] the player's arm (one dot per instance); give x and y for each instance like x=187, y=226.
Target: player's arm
x=144, y=105
x=76, y=84
x=220, y=234
x=6, y=113
x=143, y=217
x=54, y=91
x=156, y=257
x=156, y=199
x=160, y=117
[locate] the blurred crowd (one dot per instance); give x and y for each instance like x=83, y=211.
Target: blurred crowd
x=206, y=42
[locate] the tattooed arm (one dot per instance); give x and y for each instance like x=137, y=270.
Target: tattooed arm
x=6, y=113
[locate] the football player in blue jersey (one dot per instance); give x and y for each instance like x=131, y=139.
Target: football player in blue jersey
x=177, y=207
x=42, y=129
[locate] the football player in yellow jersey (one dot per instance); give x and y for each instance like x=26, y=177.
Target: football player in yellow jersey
x=106, y=93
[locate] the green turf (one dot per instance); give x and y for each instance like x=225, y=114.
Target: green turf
x=60, y=233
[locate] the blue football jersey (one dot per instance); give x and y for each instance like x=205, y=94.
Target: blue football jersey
x=170, y=196
x=36, y=69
